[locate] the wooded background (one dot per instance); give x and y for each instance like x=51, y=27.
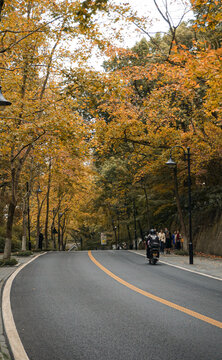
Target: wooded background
x=96, y=142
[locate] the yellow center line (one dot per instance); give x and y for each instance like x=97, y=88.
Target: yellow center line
x=156, y=298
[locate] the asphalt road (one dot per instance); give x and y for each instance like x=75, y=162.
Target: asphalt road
x=65, y=307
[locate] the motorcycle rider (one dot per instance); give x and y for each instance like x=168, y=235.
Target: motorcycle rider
x=150, y=239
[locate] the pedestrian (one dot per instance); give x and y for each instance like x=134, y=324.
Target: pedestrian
x=174, y=239
x=168, y=241
x=181, y=242
x=178, y=237
x=162, y=238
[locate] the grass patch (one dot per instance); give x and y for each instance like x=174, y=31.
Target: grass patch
x=181, y=252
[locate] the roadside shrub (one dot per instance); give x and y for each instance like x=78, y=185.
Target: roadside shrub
x=2, y=243
x=10, y=262
x=24, y=253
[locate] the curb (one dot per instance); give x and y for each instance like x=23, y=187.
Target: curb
x=4, y=348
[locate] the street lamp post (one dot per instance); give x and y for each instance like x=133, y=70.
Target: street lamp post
x=172, y=163
x=38, y=191
x=115, y=228
x=3, y=104
x=29, y=244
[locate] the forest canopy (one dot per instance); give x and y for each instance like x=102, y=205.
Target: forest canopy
x=95, y=141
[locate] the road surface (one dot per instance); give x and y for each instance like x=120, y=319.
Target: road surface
x=112, y=305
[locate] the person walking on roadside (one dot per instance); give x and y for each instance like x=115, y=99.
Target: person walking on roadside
x=168, y=241
x=174, y=240
x=178, y=237
x=162, y=238
x=181, y=242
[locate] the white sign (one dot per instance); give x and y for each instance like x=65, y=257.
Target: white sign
x=103, y=239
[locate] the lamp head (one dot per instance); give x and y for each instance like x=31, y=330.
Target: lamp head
x=171, y=163
x=38, y=190
x=3, y=101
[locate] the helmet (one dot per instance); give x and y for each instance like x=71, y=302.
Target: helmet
x=152, y=232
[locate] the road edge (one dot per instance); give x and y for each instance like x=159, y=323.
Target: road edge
x=181, y=267
x=13, y=339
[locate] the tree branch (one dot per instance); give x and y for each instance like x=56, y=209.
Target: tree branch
x=27, y=145
x=32, y=32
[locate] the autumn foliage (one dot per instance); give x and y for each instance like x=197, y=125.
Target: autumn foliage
x=96, y=142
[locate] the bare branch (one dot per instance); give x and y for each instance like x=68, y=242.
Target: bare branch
x=161, y=13
x=16, y=32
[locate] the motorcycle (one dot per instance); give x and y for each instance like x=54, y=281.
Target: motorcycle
x=153, y=250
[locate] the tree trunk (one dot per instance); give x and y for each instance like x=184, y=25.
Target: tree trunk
x=53, y=235
x=59, y=233
x=24, y=225
x=8, y=240
x=118, y=229
x=141, y=230
x=114, y=230
x=38, y=220
x=179, y=210
x=63, y=228
x=2, y=205
x=1, y=7
x=47, y=206
x=147, y=209
x=135, y=229
x=129, y=236
x=37, y=225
